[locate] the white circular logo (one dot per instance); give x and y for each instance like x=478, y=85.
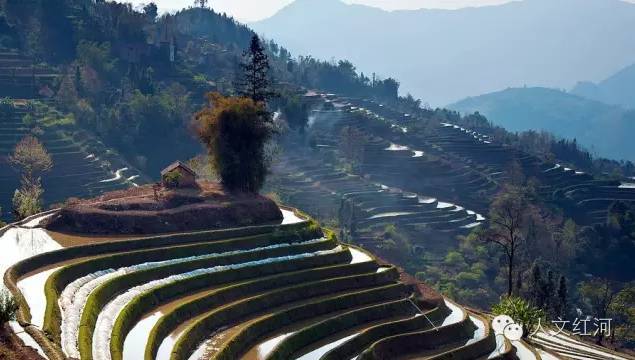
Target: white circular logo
x=506, y=326
x=513, y=332
x=500, y=322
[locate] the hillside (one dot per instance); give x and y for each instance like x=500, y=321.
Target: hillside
x=618, y=89
x=442, y=56
x=403, y=200
x=568, y=116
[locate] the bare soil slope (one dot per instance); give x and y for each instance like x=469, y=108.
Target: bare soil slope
x=142, y=211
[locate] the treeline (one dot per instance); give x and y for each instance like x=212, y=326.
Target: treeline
x=546, y=146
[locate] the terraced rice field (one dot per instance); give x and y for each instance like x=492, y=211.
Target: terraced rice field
x=286, y=291
x=396, y=185
x=20, y=77
x=452, y=163
x=82, y=165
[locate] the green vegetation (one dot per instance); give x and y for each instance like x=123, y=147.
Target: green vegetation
x=107, y=291
x=606, y=299
x=27, y=201
x=570, y=132
x=235, y=131
x=172, y=179
x=521, y=311
x=283, y=274
x=204, y=242
x=8, y=307
x=32, y=159
x=256, y=82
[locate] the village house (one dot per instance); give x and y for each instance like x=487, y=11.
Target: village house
x=179, y=175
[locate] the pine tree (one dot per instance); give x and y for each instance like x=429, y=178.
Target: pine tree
x=548, y=289
x=78, y=80
x=255, y=83
x=536, y=286
x=200, y=3
x=561, y=307
x=519, y=283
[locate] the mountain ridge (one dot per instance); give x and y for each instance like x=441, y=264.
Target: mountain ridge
x=564, y=114
x=618, y=89
x=435, y=54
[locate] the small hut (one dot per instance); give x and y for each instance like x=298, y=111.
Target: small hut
x=178, y=175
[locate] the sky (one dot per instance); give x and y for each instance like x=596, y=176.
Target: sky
x=254, y=10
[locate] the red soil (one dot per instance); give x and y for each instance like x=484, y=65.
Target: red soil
x=12, y=348
x=142, y=211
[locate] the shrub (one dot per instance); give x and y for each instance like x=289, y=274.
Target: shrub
x=521, y=311
x=28, y=120
x=8, y=307
x=27, y=201
x=172, y=179
x=6, y=107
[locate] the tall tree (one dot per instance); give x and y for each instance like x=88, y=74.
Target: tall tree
x=536, y=286
x=235, y=131
x=562, y=298
x=151, y=11
x=200, y=3
x=509, y=218
x=548, y=287
x=255, y=82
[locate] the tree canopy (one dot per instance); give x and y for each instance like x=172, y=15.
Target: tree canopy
x=235, y=131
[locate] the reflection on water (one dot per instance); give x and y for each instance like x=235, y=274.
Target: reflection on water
x=317, y=353
x=32, y=288
x=500, y=346
x=390, y=214
x=267, y=347
x=455, y=316
x=396, y=147
x=19, y=243
x=479, y=333
x=289, y=217
x=135, y=344
x=359, y=256
x=444, y=205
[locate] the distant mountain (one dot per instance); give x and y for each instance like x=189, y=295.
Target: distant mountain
x=605, y=129
x=618, y=89
x=442, y=56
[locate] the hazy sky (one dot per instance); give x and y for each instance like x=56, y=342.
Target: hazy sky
x=253, y=10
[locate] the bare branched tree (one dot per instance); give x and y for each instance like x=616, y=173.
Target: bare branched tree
x=509, y=220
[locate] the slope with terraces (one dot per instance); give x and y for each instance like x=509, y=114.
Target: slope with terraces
x=21, y=77
x=429, y=199
x=82, y=165
x=275, y=291
x=461, y=165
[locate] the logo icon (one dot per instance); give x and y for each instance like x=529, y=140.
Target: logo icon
x=505, y=325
